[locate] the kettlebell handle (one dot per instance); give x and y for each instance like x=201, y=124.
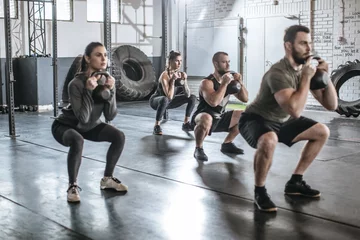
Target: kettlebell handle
x=102, y=73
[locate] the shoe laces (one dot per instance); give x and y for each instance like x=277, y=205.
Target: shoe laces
x=73, y=188
x=303, y=183
x=201, y=150
x=115, y=180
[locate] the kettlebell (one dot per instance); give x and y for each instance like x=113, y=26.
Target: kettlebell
x=234, y=86
x=179, y=82
x=320, y=79
x=101, y=93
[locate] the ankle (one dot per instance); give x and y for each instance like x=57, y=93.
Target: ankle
x=260, y=189
x=296, y=178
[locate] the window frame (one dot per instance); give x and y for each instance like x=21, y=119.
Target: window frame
x=16, y=6
x=71, y=13
x=118, y=21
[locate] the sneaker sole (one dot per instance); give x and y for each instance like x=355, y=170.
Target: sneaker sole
x=265, y=210
x=103, y=188
x=202, y=160
x=73, y=201
x=157, y=133
x=300, y=194
x=230, y=152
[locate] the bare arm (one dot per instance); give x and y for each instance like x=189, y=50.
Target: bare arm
x=212, y=97
x=327, y=97
x=242, y=95
x=292, y=101
x=167, y=83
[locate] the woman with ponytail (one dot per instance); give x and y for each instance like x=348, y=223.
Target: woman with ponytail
x=81, y=120
x=172, y=92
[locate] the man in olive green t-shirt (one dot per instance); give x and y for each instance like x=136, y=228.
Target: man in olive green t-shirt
x=275, y=115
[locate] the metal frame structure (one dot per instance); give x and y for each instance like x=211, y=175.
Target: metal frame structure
x=164, y=5
x=36, y=28
x=9, y=76
x=107, y=30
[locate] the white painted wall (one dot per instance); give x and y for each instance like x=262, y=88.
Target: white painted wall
x=330, y=24
x=73, y=36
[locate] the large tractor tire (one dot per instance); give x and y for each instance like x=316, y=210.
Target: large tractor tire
x=133, y=72
x=339, y=76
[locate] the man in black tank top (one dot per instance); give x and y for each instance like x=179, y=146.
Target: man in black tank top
x=210, y=115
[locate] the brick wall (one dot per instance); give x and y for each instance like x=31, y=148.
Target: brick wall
x=336, y=33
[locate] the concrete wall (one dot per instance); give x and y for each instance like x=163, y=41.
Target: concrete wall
x=336, y=27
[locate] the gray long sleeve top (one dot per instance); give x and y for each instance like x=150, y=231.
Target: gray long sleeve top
x=83, y=113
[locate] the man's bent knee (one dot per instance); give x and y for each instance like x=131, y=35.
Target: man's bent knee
x=322, y=131
x=267, y=142
x=203, y=120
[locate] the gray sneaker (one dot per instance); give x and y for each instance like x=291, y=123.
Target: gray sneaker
x=112, y=183
x=73, y=193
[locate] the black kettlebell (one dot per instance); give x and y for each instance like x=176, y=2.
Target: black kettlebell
x=234, y=86
x=101, y=93
x=179, y=82
x=320, y=79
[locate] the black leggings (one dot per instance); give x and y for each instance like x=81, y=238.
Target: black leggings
x=161, y=103
x=74, y=139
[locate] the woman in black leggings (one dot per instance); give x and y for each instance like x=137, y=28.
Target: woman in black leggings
x=172, y=92
x=81, y=120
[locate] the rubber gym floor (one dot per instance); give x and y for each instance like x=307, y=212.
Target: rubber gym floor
x=171, y=195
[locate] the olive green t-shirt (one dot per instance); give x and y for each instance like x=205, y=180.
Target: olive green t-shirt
x=281, y=75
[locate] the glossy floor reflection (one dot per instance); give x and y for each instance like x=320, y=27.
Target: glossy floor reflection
x=171, y=196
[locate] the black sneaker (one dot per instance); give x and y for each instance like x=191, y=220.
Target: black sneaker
x=157, y=130
x=301, y=188
x=187, y=127
x=264, y=203
x=231, y=148
x=200, y=155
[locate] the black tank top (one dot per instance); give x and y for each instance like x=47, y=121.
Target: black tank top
x=205, y=107
x=160, y=90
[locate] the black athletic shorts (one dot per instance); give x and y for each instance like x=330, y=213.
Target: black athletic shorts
x=219, y=124
x=253, y=126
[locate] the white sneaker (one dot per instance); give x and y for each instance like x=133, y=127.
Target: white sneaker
x=73, y=193
x=112, y=183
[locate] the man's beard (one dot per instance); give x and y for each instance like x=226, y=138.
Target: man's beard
x=297, y=58
x=222, y=72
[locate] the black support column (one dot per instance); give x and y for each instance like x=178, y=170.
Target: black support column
x=9, y=76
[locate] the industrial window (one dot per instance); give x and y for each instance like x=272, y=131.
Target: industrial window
x=64, y=10
x=95, y=10
x=13, y=9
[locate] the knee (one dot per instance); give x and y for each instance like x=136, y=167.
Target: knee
x=267, y=143
x=73, y=138
x=119, y=136
x=192, y=98
x=323, y=132
x=164, y=101
x=204, y=121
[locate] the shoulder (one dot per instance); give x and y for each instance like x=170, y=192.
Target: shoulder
x=206, y=82
x=78, y=81
x=164, y=75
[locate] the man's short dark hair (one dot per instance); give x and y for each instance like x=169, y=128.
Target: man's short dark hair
x=290, y=32
x=216, y=56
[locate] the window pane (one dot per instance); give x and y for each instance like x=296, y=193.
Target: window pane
x=13, y=9
x=63, y=10
x=95, y=9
